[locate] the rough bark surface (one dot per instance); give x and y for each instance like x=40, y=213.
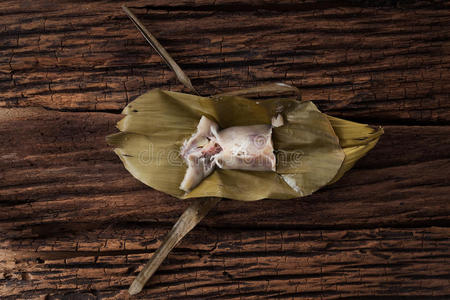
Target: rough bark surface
x=75, y=225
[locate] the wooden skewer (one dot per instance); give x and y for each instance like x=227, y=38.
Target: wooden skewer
x=188, y=220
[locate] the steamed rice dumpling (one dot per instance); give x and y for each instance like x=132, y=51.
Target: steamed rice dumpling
x=199, y=154
x=246, y=148
x=311, y=148
x=238, y=147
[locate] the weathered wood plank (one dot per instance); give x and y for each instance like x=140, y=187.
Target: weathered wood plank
x=232, y=264
x=57, y=168
x=75, y=222
x=72, y=215
x=388, y=62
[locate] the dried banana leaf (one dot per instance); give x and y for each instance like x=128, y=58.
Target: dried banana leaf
x=356, y=139
x=312, y=149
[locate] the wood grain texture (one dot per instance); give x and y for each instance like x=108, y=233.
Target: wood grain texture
x=388, y=62
x=74, y=224
x=229, y=264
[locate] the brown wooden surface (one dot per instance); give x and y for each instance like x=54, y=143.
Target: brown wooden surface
x=75, y=225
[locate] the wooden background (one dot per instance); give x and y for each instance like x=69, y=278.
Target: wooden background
x=76, y=225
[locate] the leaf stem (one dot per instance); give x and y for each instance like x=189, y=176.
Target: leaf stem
x=187, y=221
x=182, y=77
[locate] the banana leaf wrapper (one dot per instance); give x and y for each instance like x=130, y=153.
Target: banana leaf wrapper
x=312, y=148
